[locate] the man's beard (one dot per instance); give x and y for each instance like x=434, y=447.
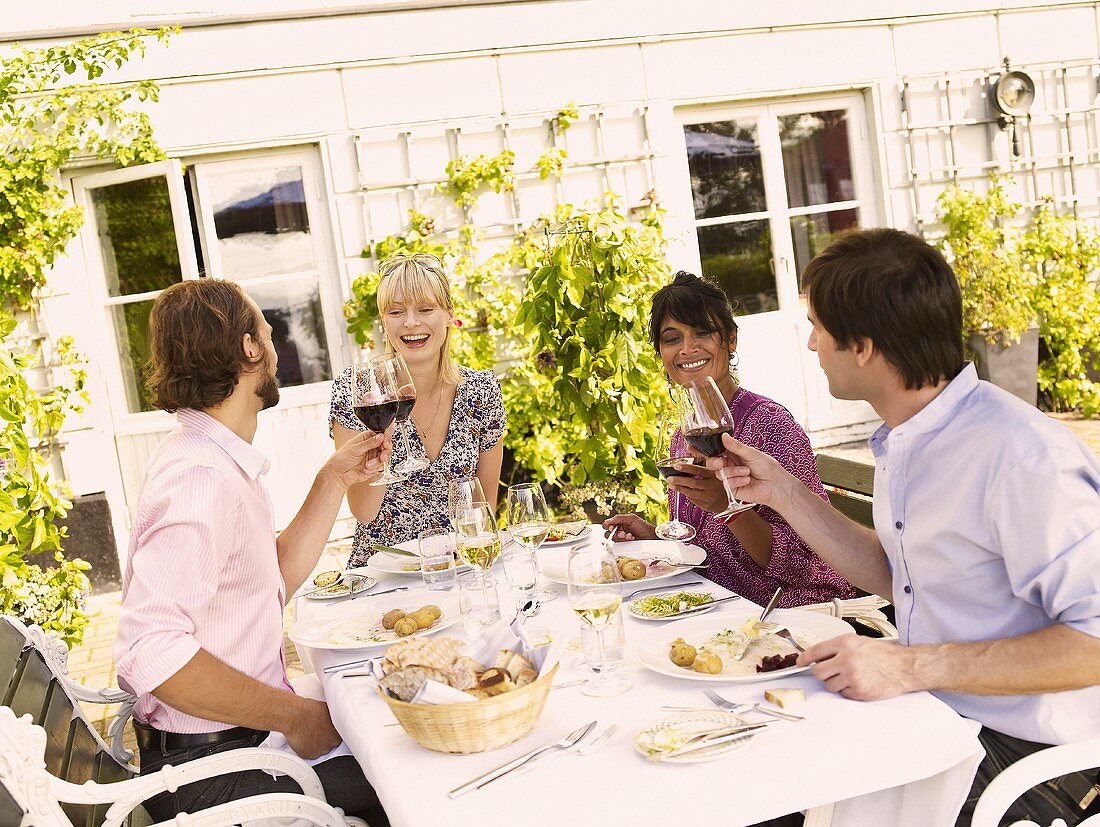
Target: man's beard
x=268, y=392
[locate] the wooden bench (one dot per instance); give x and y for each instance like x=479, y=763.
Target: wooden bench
x=47, y=743
x=850, y=486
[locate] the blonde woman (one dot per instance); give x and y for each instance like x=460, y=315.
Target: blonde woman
x=459, y=413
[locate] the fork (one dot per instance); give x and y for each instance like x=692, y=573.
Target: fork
x=780, y=631
x=593, y=746
x=730, y=706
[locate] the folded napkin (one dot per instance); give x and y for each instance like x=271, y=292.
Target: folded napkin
x=513, y=636
x=434, y=692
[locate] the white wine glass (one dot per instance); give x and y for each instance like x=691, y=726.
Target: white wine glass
x=374, y=402
x=478, y=542
x=594, y=594
x=462, y=494
x=674, y=528
x=707, y=419
x=406, y=399
x=529, y=524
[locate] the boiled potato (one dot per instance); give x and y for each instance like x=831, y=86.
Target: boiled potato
x=682, y=654
x=435, y=610
x=708, y=663
x=405, y=626
x=634, y=570
x=423, y=617
x=390, y=618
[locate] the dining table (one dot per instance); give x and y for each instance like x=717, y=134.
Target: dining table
x=909, y=760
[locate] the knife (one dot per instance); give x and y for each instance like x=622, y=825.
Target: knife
x=392, y=550
x=702, y=607
x=704, y=743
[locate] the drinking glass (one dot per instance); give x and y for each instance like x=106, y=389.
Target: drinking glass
x=462, y=494
x=478, y=602
x=673, y=529
x=520, y=570
x=707, y=419
x=614, y=646
x=406, y=399
x=529, y=523
x=594, y=595
x=437, y=558
x=375, y=403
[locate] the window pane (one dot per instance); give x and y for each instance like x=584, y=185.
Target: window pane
x=261, y=222
x=132, y=328
x=738, y=256
x=293, y=309
x=816, y=159
x=136, y=236
x=812, y=233
x=726, y=175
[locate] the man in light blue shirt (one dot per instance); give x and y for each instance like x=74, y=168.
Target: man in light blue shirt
x=987, y=518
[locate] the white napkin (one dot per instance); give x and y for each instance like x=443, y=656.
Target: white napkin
x=513, y=637
x=435, y=692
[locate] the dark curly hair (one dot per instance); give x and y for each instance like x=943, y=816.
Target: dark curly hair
x=196, y=328
x=695, y=302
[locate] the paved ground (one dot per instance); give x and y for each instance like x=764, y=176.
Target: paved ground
x=91, y=662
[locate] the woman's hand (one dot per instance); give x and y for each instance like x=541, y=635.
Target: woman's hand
x=700, y=485
x=631, y=527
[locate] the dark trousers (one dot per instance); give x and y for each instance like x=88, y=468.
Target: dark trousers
x=1057, y=798
x=342, y=778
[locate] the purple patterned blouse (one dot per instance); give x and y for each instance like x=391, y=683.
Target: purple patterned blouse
x=768, y=426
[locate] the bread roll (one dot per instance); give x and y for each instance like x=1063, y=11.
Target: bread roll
x=784, y=697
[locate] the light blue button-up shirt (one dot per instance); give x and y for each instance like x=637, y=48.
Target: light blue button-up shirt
x=989, y=513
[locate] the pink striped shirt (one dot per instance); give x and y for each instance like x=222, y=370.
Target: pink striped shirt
x=203, y=571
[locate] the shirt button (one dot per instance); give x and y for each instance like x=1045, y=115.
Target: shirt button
x=897, y=525
x=908, y=590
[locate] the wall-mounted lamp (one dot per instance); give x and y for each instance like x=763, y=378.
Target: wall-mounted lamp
x=1013, y=93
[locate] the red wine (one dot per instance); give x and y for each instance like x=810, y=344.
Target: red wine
x=708, y=440
x=667, y=467
x=378, y=416
x=405, y=407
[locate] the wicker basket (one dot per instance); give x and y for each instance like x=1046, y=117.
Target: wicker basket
x=474, y=727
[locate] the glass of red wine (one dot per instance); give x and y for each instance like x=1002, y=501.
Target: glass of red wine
x=673, y=529
x=707, y=419
x=406, y=399
x=376, y=403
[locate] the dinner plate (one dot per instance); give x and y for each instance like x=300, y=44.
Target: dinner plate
x=807, y=627
x=634, y=609
x=351, y=584
x=568, y=541
x=362, y=629
x=671, y=733
x=646, y=551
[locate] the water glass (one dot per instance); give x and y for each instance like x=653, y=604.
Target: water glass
x=614, y=646
x=520, y=570
x=478, y=602
x=437, y=559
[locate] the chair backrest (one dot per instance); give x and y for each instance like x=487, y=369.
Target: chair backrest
x=850, y=486
x=1029, y=771
x=12, y=644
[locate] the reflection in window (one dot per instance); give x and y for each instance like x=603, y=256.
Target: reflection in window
x=293, y=309
x=261, y=222
x=136, y=236
x=816, y=158
x=813, y=233
x=726, y=174
x=132, y=329
x=738, y=256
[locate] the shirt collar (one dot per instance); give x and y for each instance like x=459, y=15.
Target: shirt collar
x=935, y=414
x=251, y=461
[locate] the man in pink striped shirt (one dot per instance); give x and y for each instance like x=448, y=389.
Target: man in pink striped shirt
x=200, y=638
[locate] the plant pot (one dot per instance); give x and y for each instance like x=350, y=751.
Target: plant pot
x=92, y=538
x=1014, y=368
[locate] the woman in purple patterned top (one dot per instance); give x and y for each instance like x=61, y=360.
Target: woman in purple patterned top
x=694, y=332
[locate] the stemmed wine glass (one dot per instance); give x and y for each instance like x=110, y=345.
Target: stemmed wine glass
x=406, y=398
x=707, y=419
x=595, y=596
x=375, y=403
x=462, y=494
x=478, y=542
x=673, y=529
x=529, y=523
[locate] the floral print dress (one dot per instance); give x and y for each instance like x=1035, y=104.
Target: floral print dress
x=419, y=502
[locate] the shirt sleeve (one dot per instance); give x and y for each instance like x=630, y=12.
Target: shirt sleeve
x=340, y=409
x=175, y=570
x=771, y=429
x=1044, y=515
x=490, y=408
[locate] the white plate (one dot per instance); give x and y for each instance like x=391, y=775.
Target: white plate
x=667, y=735
x=360, y=630
x=632, y=606
x=808, y=627
x=568, y=541
x=358, y=583
x=646, y=551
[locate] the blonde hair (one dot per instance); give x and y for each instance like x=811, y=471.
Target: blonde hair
x=420, y=278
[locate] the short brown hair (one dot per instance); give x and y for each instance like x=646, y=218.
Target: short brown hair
x=897, y=290
x=196, y=328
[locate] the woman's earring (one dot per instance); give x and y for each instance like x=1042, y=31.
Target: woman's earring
x=735, y=360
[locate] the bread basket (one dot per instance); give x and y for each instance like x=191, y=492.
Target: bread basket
x=483, y=725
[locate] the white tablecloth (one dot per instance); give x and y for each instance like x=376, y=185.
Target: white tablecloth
x=906, y=761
